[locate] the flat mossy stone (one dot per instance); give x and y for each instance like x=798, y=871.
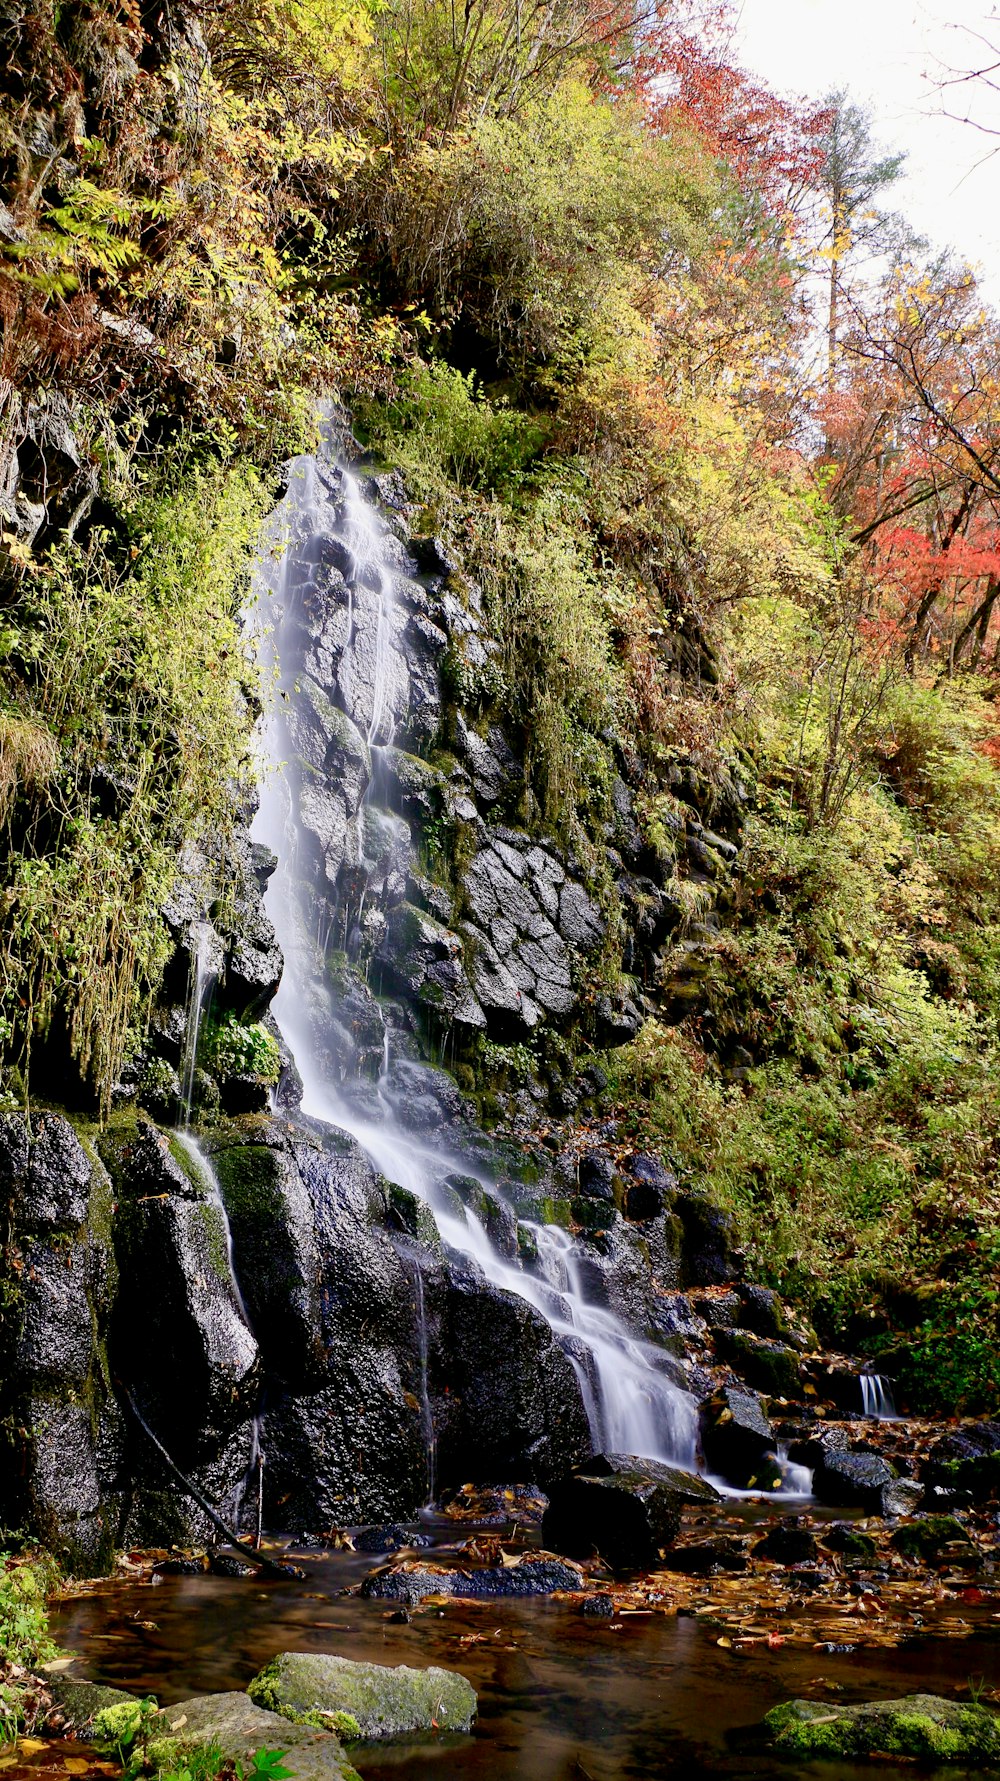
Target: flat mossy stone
x=79, y=1702
x=385, y=1702
x=920, y=1728
x=237, y=1727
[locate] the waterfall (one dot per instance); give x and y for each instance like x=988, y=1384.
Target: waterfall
x=877, y=1400
x=200, y=981
x=628, y=1386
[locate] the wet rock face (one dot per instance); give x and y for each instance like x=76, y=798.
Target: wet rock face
x=544, y=1575
x=845, y=1479
x=507, y=1399
x=54, y=1382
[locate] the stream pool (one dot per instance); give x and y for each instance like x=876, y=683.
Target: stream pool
x=561, y=1697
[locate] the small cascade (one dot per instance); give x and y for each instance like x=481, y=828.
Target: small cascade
x=201, y=979
x=877, y=1400
x=796, y=1481
x=252, y=1481
x=426, y=1410
x=213, y=1193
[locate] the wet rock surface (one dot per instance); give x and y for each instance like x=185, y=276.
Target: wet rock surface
x=528, y=1576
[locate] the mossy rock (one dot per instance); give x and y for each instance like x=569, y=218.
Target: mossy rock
x=236, y=1727
x=919, y=1728
x=927, y=1537
x=81, y=1701
x=384, y=1702
x=849, y=1542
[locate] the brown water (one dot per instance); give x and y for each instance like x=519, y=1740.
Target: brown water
x=561, y=1698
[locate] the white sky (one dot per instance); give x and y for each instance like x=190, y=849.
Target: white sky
x=889, y=53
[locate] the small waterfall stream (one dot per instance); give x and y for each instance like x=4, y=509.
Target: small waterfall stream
x=877, y=1400
x=629, y=1388
x=201, y=1164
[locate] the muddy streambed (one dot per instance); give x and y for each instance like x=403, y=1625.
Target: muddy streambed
x=562, y=1697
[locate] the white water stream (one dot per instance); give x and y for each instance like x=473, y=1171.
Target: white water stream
x=877, y=1400
x=632, y=1402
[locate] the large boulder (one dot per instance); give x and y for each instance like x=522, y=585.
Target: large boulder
x=627, y=1510
x=384, y=1702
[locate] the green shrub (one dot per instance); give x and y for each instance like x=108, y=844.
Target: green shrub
x=24, y=1625
x=231, y=1049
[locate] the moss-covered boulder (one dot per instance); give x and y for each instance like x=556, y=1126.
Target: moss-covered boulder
x=928, y=1537
x=919, y=1728
x=79, y=1703
x=236, y=1727
x=382, y=1702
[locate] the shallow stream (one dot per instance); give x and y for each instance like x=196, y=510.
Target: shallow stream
x=561, y=1697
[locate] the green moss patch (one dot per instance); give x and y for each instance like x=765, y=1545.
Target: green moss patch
x=919, y=1728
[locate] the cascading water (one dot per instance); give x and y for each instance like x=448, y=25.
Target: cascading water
x=877, y=1400
x=201, y=1163
x=202, y=977
x=629, y=1387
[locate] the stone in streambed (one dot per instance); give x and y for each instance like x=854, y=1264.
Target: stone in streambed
x=901, y=1496
x=384, y=1701
x=929, y=1536
x=540, y=1575
x=626, y=1509
x=237, y=1728
x=787, y=1543
x=738, y=1440
x=852, y=1480
x=919, y=1727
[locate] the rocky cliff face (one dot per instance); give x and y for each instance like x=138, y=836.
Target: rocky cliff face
x=269, y=1291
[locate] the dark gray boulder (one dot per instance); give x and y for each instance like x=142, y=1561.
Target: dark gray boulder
x=625, y=1509
x=738, y=1441
x=531, y=1575
x=507, y=1399
x=852, y=1480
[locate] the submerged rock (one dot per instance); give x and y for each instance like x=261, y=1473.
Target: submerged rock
x=236, y=1728
x=626, y=1509
x=541, y=1575
x=383, y=1701
x=918, y=1727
